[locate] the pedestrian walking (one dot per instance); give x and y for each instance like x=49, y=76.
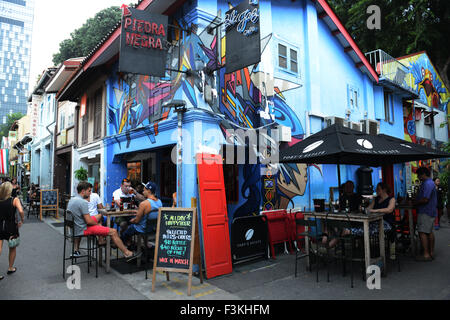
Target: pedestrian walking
x=9, y=227
x=16, y=188
x=426, y=203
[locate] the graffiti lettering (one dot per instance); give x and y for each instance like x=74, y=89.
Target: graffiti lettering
x=145, y=26
x=241, y=20
x=143, y=41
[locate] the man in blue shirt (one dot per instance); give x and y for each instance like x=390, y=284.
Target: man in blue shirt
x=426, y=202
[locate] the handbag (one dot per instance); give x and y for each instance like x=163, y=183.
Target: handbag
x=13, y=242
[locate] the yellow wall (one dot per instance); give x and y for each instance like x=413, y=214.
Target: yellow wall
x=24, y=127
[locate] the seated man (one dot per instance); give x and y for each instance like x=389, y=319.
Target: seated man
x=95, y=203
x=125, y=191
x=85, y=225
x=147, y=210
x=349, y=197
x=139, y=193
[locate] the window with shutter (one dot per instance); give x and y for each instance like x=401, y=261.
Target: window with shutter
x=288, y=58
x=98, y=113
x=85, y=121
x=388, y=107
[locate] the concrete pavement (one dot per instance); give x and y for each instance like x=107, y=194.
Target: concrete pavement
x=39, y=276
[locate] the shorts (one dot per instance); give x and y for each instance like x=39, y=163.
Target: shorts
x=425, y=223
x=96, y=230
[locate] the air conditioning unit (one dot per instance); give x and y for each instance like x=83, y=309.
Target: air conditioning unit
x=329, y=121
x=370, y=126
x=356, y=126
x=285, y=134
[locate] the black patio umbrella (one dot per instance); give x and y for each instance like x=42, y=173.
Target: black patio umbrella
x=341, y=145
x=433, y=153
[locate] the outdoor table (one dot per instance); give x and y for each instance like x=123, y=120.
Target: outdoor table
x=109, y=215
x=409, y=208
x=365, y=219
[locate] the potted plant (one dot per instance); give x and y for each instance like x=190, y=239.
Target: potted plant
x=81, y=174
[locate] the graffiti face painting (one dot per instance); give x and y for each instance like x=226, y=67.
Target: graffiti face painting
x=291, y=182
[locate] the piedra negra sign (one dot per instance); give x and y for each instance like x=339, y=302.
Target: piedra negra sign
x=142, y=43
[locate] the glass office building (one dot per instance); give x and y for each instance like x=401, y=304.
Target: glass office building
x=16, y=25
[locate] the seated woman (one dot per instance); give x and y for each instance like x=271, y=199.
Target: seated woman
x=383, y=203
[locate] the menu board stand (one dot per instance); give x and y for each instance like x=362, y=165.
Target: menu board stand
x=176, y=233
x=49, y=202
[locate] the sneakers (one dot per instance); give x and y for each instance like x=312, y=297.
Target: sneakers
x=75, y=254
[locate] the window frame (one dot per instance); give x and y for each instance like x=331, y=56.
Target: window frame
x=353, y=93
x=85, y=123
x=62, y=121
x=287, y=73
x=135, y=168
x=388, y=107
x=97, y=111
x=70, y=120
x=288, y=57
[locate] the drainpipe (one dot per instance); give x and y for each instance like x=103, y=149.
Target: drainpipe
x=180, y=108
x=308, y=129
x=53, y=141
x=433, y=139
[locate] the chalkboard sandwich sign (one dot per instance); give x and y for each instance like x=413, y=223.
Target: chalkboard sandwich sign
x=49, y=201
x=175, y=242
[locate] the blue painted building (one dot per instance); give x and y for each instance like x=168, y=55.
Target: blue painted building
x=311, y=75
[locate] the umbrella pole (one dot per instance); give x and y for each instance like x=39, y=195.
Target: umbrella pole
x=339, y=181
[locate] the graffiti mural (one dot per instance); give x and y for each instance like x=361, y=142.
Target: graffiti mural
x=432, y=92
x=426, y=81
x=250, y=98
x=136, y=101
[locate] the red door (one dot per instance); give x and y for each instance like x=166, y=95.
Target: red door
x=214, y=217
